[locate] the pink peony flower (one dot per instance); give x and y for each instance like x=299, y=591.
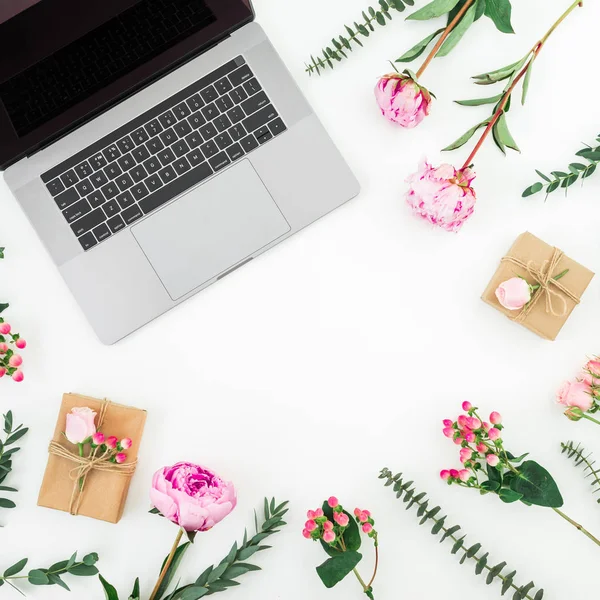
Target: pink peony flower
x=4, y=328
x=514, y=293
x=575, y=393
x=20, y=343
x=80, y=424
x=15, y=360
x=402, y=100
x=329, y=537
x=442, y=196
x=193, y=497
x=18, y=376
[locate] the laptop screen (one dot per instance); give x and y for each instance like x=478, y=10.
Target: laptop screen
x=62, y=61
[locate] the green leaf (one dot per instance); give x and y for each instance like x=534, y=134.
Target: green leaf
x=499, y=74
x=537, y=486
x=38, y=577
x=16, y=436
x=434, y=9
x=499, y=11
x=463, y=139
x=503, y=133
x=527, y=81
x=458, y=32
x=56, y=580
x=480, y=9
x=418, y=48
x=135, y=594
x=490, y=486
x=177, y=558
x=109, y=591
x=83, y=571
x=480, y=101
x=193, y=593
x=16, y=568
x=3, y=307
x=544, y=177
x=533, y=189
x=509, y=496
x=334, y=569
x=352, y=538
x=90, y=559
x=6, y=503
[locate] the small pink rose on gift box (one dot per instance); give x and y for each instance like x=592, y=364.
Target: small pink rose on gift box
x=402, y=100
x=514, y=293
x=80, y=425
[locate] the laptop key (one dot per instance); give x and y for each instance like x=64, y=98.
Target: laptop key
x=252, y=86
x=166, y=157
x=195, y=157
x=139, y=191
x=180, y=148
x=99, y=179
x=222, y=123
x=87, y=241
x=111, y=208
x=223, y=140
x=84, y=170
x=194, y=139
x=168, y=137
x=153, y=128
x=224, y=103
x=55, y=187
x=182, y=128
x=84, y=187
x=181, y=111
x=167, y=119
x=196, y=120
x=236, y=114
x=152, y=165
x=209, y=94
x=141, y=154
x=113, y=170
x=181, y=166
x=77, y=210
x=219, y=161
x=255, y=102
x=277, y=126
x=138, y=173
x=125, y=145
x=262, y=117
x=237, y=132
x=102, y=232
x=167, y=174
x=195, y=102
x=126, y=162
x=155, y=145
x=249, y=143
x=238, y=95
x=223, y=85
x=242, y=74
x=234, y=152
x=209, y=149
x=139, y=136
x=153, y=183
x=69, y=178
x=96, y=199
x=175, y=187
x=208, y=131
x=116, y=223
x=110, y=190
x=210, y=111
x=98, y=161
x=111, y=153
x=263, y=134
x=132, y=214
x=125, y=200
x=88, y=222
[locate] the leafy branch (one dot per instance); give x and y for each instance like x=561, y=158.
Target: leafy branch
x=407, y=492
x=51, y=575
x=565, y=180
x=13, y=435
x=577, y=452
x=3, y=305
x=340, y=47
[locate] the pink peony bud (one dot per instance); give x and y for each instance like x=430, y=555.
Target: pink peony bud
x=20, y=343
x=126, y=443
x=445, y=474
x=402, y=100
x=2, y=371
x=328, y=526
x=306, y=534
x=15, y=360
x=3, y=348
x=514, y=293
x=310, y=525
x=467, y=406
x=494, y=434
x=111, y=442
x=496, y=418
x=333, y=502
x=328, y=537
x=98, y=439
x=4, y=328
x=492, y=460
x=464, y=475
x=449, y=432
x=120, y=458
x=341, y=519
x=18, y=376
x=443, y=196
x=577, y=393
x=367, y=528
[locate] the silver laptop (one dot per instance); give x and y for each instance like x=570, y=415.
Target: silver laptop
x=156, y=146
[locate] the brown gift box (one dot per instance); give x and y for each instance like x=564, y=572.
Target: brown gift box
x=528, y=254
x=105, y=493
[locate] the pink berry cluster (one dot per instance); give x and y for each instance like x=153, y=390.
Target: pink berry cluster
x=366, y=522
x=10, y=361
x=480, y=442
x=111, y=447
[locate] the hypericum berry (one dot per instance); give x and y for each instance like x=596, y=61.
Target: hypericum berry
x=126, y=443
x=20, y=343
x=328, y=526
x=3, y=348
x=4, y=328
x=474, y=423
x=458, y=440
x=467, y=406
x=306, y=534
x=333, y=502
x=111, y=442
x=329, y=537
x=447, y=423
x=18, y=376
x=367, y=528
x=15, y=360
x=449, y=432
x=310, y=514
x=341, y=519
x=98, y=439
x=465, y=455
x=496, y=418
x=364, y=516
x=463, y=421
x=470, y=437
x=464, y=475
x=310, y=526
x=120, y=458
x=492, y=460
x=482, y=448
x=454, y=473
x=494, y=434
x=445, y=474
x=319, y=513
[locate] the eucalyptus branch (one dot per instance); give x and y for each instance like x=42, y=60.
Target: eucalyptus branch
x=407, y=492
x=13, y=435
x=577, y=452
x=341, y=45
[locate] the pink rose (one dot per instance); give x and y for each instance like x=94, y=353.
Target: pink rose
x=575, y=393
x=514, y=294
x=591, y=372
x=192, y=496
x=402, y=100
x=80, y=424
x=443, y=196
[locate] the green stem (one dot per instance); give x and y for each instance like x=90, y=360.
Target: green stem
x=167, y=564
x=577, y=526
x=562, y=18
x=591, y=419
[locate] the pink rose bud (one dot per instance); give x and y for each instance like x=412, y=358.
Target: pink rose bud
x=367, y=528
x=4, y=328
x=492, y=460
x=2, y=371
x=449, y=432
x=111, y=442
x=15, y=360
x=120, y=458
x=306, y=534
x=18, y=376
x=311, y=514
x=342, y=519
x=470, y=437
x=447, y=423
x=328, y=537
x=577, y=393
x=20, y=343
x=3, y=348
x=464, y=475
x=494, y=434
x=496, y=418
x=443, y=196
x=333, y=502
x=467, y=406
x=357, y=512
x=402, y=100
x=80, y=424
x=98, y=439
x=482, y=448
x=573, y=413
x=445, y=474
x=514, y=293
x=454, y=473
x=126, y=443
x=310, y=525
x=591, y=373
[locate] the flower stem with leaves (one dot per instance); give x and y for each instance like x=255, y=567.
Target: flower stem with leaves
x=13, y=435
x=581, y=458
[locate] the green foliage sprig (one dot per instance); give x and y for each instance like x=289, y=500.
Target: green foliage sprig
x=342, y=45
x=3, y=305
x=563, y=180
x=578, y=453
x=52, y=575
x=473, y=553
x=13, y=435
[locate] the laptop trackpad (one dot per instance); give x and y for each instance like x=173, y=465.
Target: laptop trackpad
x=210, y=229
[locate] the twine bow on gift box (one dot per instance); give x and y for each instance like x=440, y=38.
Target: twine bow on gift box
x=545, y=284
x=84, y=465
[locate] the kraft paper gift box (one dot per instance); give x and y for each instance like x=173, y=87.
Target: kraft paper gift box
x=538, y=263
x=105, y=492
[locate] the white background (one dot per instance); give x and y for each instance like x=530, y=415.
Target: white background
x=340, y=351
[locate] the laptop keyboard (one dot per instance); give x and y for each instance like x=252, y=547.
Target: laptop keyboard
x=164, y=152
